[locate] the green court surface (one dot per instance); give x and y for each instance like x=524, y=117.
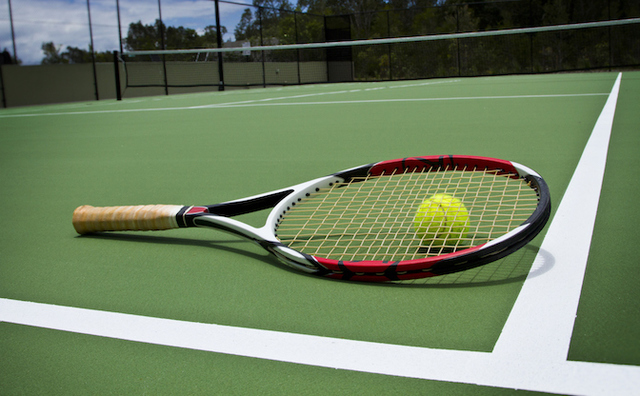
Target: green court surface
x=213, y=147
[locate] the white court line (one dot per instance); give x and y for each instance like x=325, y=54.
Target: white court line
x=323, y=94
x=272, y=99
x=265, y=103
x=508, y=366
x=541, y=322
x=421, y=84
x=414, y=362
x=269, y=102
x=480, y=368
x=341, y=102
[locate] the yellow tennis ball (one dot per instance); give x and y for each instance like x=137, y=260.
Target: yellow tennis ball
x=442, y=219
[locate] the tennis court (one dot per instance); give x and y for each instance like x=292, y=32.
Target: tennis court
x=199, y=312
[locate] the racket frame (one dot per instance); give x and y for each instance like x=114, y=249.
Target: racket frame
x=219, y=217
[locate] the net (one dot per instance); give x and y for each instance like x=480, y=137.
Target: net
x=583, y=46
x=242, y=67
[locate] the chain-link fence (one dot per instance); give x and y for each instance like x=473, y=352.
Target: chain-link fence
x=90, y=30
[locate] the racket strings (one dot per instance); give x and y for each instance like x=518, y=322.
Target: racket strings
x=352, y=200
x=389, y=236
x=373, y=218
x=409, y=196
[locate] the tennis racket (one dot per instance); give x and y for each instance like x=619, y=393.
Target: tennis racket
x=360, y=224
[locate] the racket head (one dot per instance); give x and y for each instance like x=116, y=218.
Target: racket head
x=359, y=224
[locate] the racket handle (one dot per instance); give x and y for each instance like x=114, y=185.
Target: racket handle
x=88, y=219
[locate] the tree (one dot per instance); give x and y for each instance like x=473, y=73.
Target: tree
x=247, y=28
x=77, y=55
x=143, y=37
x=210, y=37
x=314, y=7
x=272, y=8
x=7, y=59
x=147, y=37
x=54, y=55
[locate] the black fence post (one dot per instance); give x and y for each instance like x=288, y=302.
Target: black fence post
x=13, y=34
x=119, y=24
x=458, y=40
x=93, y=53
x=162, y=47
x=262, y=53
x=116, y=67
x=4, y=99
x=295, y=24
x=219, y=43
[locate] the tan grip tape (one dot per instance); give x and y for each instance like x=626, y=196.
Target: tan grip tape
x=88, y=219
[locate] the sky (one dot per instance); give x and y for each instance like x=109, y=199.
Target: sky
x=66, y=22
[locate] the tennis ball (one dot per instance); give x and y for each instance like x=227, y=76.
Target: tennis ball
x=442, y=219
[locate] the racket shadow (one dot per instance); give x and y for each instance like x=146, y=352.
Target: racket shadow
x=514, y=268
x=223, y=245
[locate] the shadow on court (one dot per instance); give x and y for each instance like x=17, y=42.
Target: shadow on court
x=513, y=268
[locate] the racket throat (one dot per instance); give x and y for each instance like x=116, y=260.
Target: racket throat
x=249, y=205
x=261, y=236
x=293, y=259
